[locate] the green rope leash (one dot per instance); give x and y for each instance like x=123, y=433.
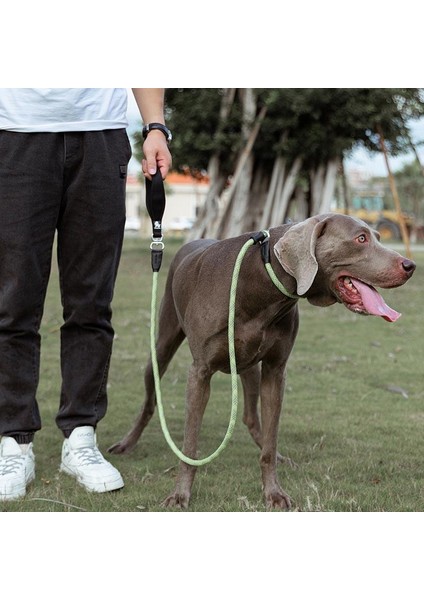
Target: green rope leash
x=231, y=349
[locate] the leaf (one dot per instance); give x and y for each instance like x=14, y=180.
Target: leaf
x=397, y=390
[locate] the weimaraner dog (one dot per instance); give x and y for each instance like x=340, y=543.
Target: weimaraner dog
x=325, y=259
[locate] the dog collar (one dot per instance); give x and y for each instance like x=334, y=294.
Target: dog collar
x=262, y=238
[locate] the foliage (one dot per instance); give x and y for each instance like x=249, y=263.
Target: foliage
x=321, y=123
x=274, y=153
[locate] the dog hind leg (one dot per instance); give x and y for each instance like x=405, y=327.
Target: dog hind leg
x=170, y=338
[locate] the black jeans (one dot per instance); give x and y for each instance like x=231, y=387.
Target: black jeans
x=72, y=183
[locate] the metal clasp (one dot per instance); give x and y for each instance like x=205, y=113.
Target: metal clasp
x=157, y=244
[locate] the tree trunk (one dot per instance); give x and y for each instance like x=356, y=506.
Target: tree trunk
x=206, y=220
x=223, y=222
x=258, y=193
x=411, y=144
x=329, y=186
x=316, y=178
x=402, y=224
x=275, y=186
x=232, y=222
x=299, y=207
x=209, y=211
x=323, y=182
x=285, y=193
x=345, y=190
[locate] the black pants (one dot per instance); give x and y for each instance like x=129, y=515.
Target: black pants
x=73, y=183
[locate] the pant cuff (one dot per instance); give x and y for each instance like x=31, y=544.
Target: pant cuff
x=23, y=438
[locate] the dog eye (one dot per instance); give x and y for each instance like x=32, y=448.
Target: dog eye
x=361, y=238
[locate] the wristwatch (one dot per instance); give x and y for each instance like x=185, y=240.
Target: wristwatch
x=150, y=126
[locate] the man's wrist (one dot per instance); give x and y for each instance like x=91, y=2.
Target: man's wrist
x=157, y=127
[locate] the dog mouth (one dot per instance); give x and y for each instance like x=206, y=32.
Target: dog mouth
x=360, y=297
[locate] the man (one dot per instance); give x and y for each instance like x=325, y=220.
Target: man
x=63, y=162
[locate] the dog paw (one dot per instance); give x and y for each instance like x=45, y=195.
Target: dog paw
x=278, y=499
x=177, y=500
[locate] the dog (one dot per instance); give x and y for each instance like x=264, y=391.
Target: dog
x=326, y=259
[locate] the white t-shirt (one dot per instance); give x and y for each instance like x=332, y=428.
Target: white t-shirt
x=30, y=110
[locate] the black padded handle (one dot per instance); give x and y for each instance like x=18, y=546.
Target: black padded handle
x=155, y=203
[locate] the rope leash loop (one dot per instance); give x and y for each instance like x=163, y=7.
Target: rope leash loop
x=155, y=202
x=233, y=369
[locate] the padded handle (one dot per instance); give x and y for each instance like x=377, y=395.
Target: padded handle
x=155, y=203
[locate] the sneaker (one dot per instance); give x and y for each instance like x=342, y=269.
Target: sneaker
x=17, y=468
x=83, y=460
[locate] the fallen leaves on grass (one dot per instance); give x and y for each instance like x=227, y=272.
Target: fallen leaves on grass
x=397, y=390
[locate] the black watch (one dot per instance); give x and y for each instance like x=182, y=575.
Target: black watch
x=147, y=128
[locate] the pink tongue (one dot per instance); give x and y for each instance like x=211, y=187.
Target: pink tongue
x=374, y=303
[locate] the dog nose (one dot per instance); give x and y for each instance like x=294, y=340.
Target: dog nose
x=408, y=265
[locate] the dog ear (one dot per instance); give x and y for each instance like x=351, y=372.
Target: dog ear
x=295, y=251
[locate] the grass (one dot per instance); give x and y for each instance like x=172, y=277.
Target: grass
x=352, y=419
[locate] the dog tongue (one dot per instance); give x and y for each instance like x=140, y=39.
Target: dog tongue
x=374, y=303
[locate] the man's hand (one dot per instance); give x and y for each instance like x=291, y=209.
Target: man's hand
x=156, y=155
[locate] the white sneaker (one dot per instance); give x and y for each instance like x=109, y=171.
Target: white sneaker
x=83, y=460
x=17, y=468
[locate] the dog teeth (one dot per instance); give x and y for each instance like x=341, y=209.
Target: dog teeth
x=348, y=283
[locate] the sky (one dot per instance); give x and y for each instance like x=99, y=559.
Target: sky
x=361, y=160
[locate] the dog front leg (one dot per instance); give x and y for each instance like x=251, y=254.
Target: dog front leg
x=272, y=389
x=251, y=381
x=198, y=391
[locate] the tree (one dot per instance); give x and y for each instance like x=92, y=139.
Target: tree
x=271, y=153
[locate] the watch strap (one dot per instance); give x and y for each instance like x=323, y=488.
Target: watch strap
x=161, y=127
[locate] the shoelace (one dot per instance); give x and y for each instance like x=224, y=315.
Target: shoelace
x=89, y=456
x=10, y=465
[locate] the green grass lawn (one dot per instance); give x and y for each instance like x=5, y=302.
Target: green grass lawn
x=352, y=419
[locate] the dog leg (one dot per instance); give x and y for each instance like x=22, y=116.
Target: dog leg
x=198, y=390
x=251, y=381
x=272, y=387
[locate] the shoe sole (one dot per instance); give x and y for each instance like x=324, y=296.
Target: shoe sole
x=20, y=493
x=105, y=486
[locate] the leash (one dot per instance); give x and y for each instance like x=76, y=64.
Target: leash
x=155, y=203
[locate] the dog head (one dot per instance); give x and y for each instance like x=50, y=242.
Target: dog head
x=337, y=258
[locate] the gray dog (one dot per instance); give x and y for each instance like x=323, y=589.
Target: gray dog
x=326, y=259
